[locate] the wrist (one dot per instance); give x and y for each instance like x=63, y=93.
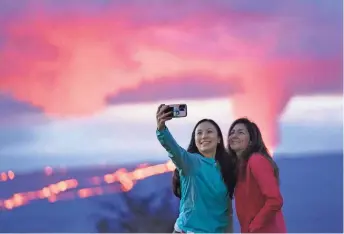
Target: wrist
x=161, y=127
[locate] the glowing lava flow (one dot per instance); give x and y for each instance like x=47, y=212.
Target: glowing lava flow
x=68, y=189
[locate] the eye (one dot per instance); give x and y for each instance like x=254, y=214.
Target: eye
x=210, y=131
x=199, y=133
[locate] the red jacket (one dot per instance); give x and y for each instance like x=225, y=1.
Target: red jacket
x=258, y=200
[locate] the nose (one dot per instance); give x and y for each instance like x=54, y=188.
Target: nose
x=234, y=135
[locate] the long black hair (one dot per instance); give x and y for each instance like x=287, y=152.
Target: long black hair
x=256, y=145
x=227, y=164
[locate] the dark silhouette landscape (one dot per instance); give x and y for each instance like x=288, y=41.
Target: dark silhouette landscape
x=312, y=186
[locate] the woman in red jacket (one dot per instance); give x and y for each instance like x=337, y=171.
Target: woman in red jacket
x=257, y=195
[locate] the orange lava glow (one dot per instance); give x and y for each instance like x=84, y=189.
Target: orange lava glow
x=4, y=176
x=69, y=189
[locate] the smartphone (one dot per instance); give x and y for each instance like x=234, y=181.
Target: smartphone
x=178, y=110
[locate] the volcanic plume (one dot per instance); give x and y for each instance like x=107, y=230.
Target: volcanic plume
x=67, y=59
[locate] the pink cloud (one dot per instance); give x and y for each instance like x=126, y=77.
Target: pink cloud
x=67, y=63
x=66, y=59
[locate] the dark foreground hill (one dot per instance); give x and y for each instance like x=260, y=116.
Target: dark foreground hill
x=312, y=187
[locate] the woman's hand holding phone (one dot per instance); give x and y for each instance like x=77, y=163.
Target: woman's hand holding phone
x=162, y=116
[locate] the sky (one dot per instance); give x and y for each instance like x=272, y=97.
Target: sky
x=84, y=78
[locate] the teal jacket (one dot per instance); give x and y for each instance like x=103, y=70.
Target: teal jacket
x=204, y=205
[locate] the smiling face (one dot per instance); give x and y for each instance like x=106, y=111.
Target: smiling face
x=239, y=138
x=206, y=139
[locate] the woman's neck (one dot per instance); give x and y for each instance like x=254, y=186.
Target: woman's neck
x=239, y=153
x=209, y=154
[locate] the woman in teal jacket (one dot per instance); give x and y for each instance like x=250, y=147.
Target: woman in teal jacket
x=207, y=176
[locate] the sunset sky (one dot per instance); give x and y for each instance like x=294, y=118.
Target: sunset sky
x=82, y=79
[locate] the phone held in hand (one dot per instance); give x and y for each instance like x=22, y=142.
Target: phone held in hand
x=177, y=110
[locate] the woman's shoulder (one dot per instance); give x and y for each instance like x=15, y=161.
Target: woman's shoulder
x=200, y=160
x=259, y=162
x=196, y=158
x=256, y=158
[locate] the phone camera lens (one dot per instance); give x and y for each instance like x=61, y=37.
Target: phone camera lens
x=182, y=107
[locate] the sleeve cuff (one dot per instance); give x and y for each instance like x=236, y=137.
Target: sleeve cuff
x=161, y=132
